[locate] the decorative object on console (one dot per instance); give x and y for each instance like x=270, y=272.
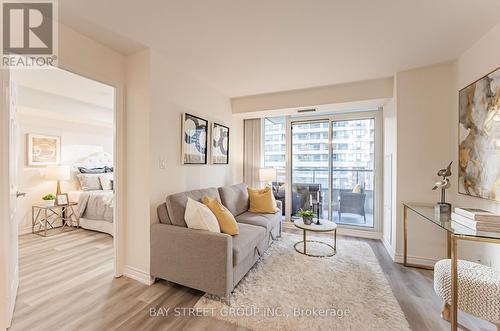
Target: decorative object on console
x=442, y=208
x=194, y=139
x=220, y=144
x=58, y=173
x=43, y=150
x=479, y=138
x=476, y=219
x=267, y=176
x=62, y=199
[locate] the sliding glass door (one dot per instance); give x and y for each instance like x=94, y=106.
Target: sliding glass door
x=333, y=161
x=353, y=164
x=309, y=163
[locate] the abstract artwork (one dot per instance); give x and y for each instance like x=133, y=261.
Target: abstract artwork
x=43, y=150
x=220, y=144
x=479, y=138
x=194, y=139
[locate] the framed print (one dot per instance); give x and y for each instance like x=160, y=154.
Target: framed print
x=194, y=139
x=220, y=144
x=43, y=150
x=479, y=138
x=62, y=199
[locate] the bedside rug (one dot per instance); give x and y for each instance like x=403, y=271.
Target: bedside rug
x=286, y=290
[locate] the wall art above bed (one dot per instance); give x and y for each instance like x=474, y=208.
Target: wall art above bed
x=220, y=144
x=194, y=139
x=479, y=138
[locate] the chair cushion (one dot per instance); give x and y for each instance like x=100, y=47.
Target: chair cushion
x=262, y=201
x=176, y=203
x=267, y=221
x=246, y=241
x=235, y=198
x=226, y=220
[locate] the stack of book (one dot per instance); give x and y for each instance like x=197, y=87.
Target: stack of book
x=476, y=219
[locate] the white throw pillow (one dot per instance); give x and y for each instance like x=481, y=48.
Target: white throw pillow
x=198, y=216
x=106, y=181
x=89, y=182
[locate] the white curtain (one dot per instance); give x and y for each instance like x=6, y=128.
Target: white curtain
x=252, y=151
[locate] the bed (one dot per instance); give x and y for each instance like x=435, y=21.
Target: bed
x=95, y=198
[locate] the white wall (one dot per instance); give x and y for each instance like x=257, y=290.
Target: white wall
x=137, y=175
x=423, y=102
x=482, y=58
x=78, y=140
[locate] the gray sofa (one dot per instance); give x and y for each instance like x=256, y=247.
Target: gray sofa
x=208, y=261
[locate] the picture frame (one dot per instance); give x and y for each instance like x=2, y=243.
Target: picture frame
x=43, y=150
x=194, y=139
x=479, y=138
x=219, y=144
x=62, y=199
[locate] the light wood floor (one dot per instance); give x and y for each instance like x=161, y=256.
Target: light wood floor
x=66, y=283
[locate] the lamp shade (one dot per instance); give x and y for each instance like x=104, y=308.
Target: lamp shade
x=57, y=173
x=267, y=174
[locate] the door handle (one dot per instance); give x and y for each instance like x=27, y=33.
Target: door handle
x=20, y=194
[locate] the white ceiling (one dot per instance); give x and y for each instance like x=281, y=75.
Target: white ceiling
x=66, y=84
x=245, y=47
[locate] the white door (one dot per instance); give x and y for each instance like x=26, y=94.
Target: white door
x=13, y=267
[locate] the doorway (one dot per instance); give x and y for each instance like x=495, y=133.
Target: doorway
x=79, y=115
x=333, y=167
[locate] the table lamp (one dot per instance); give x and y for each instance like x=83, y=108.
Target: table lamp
x=267, y=175
x=58, y=173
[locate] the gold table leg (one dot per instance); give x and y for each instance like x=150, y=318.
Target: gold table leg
x=454, y=283
x=305, y=242
x=448, y=246
x=405, y=235
x=335, y=240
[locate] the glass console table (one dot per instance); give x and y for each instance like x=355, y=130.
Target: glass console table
x=426, y=212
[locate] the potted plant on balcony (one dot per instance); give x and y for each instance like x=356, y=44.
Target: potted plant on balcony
x=307, y=216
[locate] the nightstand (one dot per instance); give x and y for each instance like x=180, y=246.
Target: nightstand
x=44, y=217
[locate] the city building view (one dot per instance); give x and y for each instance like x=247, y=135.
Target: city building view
x=352, y=166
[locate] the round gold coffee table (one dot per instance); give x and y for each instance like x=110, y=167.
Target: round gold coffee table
x=325, y=226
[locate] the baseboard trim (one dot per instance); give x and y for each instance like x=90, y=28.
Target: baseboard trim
x=138, y=275
x=418, y=260
x=359, y=233
x=389, y=249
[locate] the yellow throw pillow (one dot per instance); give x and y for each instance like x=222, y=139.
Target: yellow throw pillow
x=262, y=201
x=357, y=189
x=227, y=222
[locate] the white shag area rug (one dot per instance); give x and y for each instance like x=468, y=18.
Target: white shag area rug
x=286, y=290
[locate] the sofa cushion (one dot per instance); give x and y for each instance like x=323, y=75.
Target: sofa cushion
x=246, y=241
x=176, y=203
x=267, y=221
x=235, y=198
x=262, y=201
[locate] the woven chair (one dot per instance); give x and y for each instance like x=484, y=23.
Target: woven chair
x=353, y=203
x=478, y=289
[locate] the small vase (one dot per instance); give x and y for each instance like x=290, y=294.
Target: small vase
x=307, y=220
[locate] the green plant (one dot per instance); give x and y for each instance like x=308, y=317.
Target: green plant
x=49, y=196
x=305, y=213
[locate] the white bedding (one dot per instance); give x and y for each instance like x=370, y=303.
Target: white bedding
x=96, y=205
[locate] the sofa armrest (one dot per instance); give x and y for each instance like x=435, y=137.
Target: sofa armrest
x=279, y=205
x=198, y=259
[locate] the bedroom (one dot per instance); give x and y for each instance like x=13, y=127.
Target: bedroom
x=64, y=151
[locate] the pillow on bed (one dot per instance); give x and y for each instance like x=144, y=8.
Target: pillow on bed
x=84, y=170
x=106, y=181
x=89, y=182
